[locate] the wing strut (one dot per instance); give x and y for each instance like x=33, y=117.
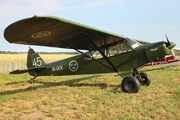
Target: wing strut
x=104, y=56
x=87, y=56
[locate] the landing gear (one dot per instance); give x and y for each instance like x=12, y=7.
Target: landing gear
x=145, y=79
x=132, y=84
x=32, y=79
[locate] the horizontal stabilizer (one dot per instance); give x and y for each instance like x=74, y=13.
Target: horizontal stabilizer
x=18, y=71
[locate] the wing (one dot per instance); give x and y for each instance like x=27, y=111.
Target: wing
x=57, y=32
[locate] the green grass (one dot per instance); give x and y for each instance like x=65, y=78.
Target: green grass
x=89, y=97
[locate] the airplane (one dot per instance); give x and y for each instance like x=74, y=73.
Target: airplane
x=105, y=52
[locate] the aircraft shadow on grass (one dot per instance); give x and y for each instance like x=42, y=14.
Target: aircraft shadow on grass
x=70, y=83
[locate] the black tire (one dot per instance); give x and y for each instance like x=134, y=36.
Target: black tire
x=146, y=80
x=130, y=85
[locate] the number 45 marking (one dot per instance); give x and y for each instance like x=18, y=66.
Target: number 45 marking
x=37, y=62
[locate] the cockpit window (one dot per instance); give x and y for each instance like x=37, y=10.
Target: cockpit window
x=120, y=47
x=116, y=48
x=132, y=43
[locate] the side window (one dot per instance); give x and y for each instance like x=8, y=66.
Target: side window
x=115, y=49
x=121, y=47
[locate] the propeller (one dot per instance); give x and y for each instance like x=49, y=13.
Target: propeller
x=168, y=43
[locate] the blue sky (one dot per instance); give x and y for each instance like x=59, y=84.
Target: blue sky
x=146, y=20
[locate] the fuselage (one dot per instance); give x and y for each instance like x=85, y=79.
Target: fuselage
x=81, y=64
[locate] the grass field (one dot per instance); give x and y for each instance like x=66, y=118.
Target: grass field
x=89, y=97
x=9, y=62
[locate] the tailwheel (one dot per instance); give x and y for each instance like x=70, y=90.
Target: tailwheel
x=32, y=79
x=145, y=79
x=130, y=85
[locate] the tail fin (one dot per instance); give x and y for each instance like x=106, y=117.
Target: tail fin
x=34, y=60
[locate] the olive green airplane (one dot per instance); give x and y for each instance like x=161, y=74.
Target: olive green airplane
x=105, y=52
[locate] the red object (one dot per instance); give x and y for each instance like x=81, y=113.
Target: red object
x=167, y=59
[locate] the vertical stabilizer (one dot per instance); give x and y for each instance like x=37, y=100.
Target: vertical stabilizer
x=34, y=60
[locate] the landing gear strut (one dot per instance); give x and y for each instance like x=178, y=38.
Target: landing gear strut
x=132, y=84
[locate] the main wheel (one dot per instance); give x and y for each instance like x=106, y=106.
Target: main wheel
x=130, y=85
x=146, y=80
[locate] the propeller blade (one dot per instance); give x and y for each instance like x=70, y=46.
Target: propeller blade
x=168, y=43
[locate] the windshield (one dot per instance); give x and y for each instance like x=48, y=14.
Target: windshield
x=132, y=43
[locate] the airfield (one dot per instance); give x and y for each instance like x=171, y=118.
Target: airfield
x=90, y=97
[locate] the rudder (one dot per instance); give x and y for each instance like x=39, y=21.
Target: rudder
x=34, y=60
